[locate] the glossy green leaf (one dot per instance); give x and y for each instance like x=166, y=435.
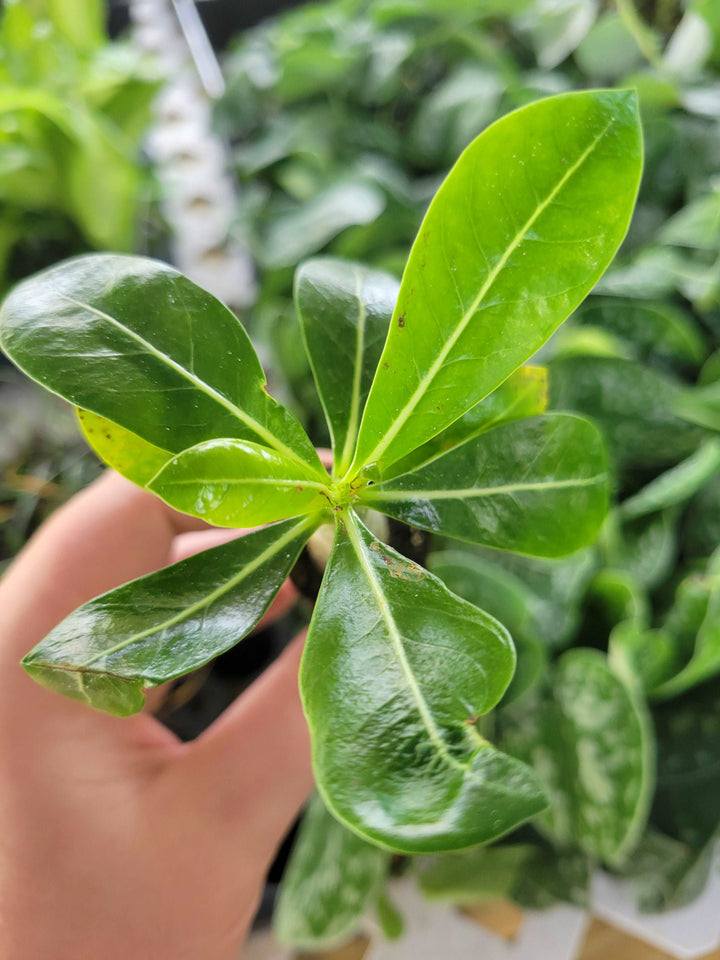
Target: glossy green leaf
x=677, y=484
x=345, y=310
x=555, y=589
x=330, y=881
x=395, y=674
x=503, y=596
x=523, y=394
x=511, y=488
x=391, y=921
x=122, y=450
x=235, y=483
x=168, y=623
x=134, y=341
x=591, y=744
x=635, y=406
x=526, y=222
x=471, y=876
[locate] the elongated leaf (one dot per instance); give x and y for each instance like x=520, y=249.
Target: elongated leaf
x=329, y=883
x=645, y=657
x=396, y=672
x=168, y=623
x=122, y=450
x=345, y=310
x=694, y=624
x=523, y=394
x=524, y=225
x=513, y=487
x=235, y=483
x=591, y=744
x=134, y=341
x=675, y=485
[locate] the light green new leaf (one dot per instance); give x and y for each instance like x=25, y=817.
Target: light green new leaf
x=345, y=310
x=513, y=488
x=168, y=623
x=329, y=883
x=523, y=394
x=521, y=230
x=134, y=341
x=122, y=450
x=235, y=483
x=590, y=742
x=395, y=674
x=677, y=484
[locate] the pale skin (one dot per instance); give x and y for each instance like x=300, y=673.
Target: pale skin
x=117, y=840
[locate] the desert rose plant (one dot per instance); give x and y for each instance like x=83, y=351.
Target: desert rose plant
x=434, y=421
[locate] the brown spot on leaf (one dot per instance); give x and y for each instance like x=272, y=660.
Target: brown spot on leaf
x=401, y=320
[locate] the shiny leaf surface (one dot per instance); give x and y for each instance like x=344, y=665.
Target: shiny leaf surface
x=677, y=484
x=521, y=230
x=168, y=623
x=512, y=488
x=235, y=483
x=395, y=674
x=344, y=310
x=523, y=394
x=134, y=341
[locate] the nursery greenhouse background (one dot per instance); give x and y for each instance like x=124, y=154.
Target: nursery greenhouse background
x=236, y=141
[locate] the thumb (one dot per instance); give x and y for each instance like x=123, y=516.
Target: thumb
x=250, y=772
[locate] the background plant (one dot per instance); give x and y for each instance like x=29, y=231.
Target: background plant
x=73, y=109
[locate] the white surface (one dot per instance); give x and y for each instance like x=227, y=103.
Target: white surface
x=688, y=933
x=435, y=931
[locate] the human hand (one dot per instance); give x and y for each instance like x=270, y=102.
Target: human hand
x=119, y=841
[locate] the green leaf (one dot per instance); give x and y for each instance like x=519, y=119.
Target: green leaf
x=645, y=657
x=635, y=406
x=345, y=310
x=655, y=331
x=395, y=674
x=676, y=485
x=694, y=624
x=697, y=225
x=591, y=744
x=122, y=450
x=688, y=783
x=554, y=876
x=390, y=919
x=329, y=883
x=127, y=338
x=471, y=876
x=505, y=597
x=235, y=483
x=524, y=225
x=523, y=394
x=511, y=488
x=645, y=548
x=168, y=623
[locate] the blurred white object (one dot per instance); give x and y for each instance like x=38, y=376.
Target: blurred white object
x=198, y=193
